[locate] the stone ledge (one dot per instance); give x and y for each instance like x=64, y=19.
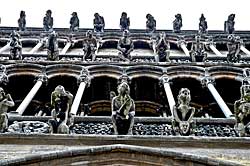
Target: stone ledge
x=119, y=148
x=153, y=141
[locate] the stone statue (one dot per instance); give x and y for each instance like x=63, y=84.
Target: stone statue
x=183, y=113
x=15, y=46
x=125, y=46
x=123, y=110
x=162, y=48
x=198, y=53
x=233, y=46
x=48, y=21
x=229, y=24
x=124, y=21
x=74, y=22
x=203, y=24
x=22, y=21
x=150, y=23
x=242, y=111
x=61, y=102
x=177, y=23
x=5, y=102
x=89, y=46
x=99, y=23
x=52, y=46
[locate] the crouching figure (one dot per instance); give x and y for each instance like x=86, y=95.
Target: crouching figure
x=5, y=102
x=182, y=113
x=242, y=112
x=123, y=111
x=61, y=102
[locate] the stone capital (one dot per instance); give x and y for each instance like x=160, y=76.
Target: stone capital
x=42, y=77
x=124, y=78
x=164, y=79
x=207, y=80
x=84, y=77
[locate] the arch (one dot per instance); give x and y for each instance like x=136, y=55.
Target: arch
x=228, y=72
x=63, y=69
x=24, y=69
x=120, y=155
x=112, y=71
x=144, y=70
x=185, y=71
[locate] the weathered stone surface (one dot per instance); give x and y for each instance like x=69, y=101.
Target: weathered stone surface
x=29, y=127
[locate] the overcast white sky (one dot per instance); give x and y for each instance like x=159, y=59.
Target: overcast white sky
x=216, y=12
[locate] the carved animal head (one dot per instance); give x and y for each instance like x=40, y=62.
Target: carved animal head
x=184, y=96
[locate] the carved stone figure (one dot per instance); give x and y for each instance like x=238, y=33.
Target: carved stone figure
x=124, y=21
x=123, y=110
x=52, y=46
x=162, y=48
x=15, y=46
x=22, y=21
x=5, y=102
x=4, y=79
x=99, y=23
x=242, y=111
x=229, y=24
x=74, y=22
x=177, y=23
x=233, y=46
x=61, y=102
x=89, y=46
x=203, y=24
x=198, y=53
x=125, y=46
x=48, y=21
x=150, y=23
x=183, y=113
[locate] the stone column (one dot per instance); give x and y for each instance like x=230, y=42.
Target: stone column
x=65, y=49
x=83, y=80
x=171, y=102
x=37, y=47
x=246, y=51
x=41, y=78
x=208, y=82
x=4, y=48
x=214, y=49
x=182, y=44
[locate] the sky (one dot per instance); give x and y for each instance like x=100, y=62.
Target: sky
x=216, y=12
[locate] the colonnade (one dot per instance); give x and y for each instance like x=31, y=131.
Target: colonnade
x=84, y=81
